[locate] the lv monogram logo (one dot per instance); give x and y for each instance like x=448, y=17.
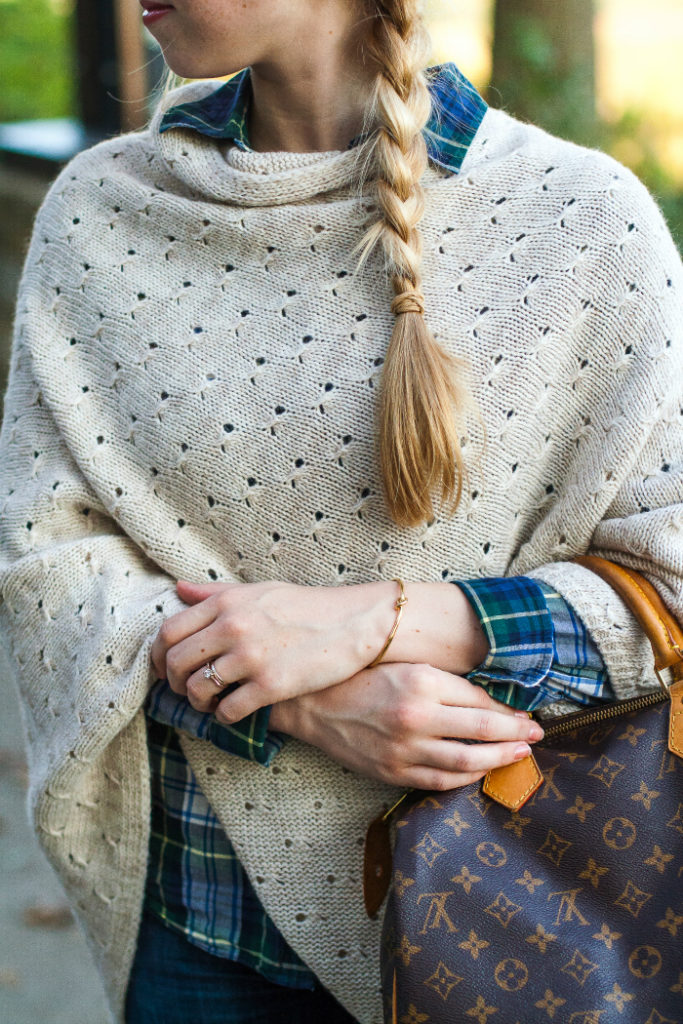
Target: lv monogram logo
x=669, y=763
x=579, y=967
x=606, y=770
x=548, y=789
x=633, y=899
x=429, y=849
x=443, y=981
x=568, y=910
x=436, y=911
x=645, y=962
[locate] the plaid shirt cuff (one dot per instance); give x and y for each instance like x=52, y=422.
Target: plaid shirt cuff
x=249, y=738
x=539, y=650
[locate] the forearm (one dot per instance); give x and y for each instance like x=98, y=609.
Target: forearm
x=278, y=640
x=438, y=628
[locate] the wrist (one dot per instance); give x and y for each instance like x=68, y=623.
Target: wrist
x=290, y=717
x=282, y=717
x=371, y=616
x=439, y=627
x=476, y=645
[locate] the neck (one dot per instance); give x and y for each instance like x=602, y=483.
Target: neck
x=304, y=102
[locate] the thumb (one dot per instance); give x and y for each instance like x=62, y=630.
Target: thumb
x=193, y=593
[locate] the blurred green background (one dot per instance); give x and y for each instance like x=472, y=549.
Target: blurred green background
x=36, y=59
x=608, y=73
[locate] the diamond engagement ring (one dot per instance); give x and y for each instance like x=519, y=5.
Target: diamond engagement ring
x=210, y=673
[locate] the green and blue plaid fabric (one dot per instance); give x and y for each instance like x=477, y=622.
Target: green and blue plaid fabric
x=249, y=738
x=457, y=112
x=539, y=649
x=195, y=884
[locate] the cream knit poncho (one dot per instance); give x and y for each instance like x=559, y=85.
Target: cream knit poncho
x=192, y=395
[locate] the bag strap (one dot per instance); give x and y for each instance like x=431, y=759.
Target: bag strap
x=659, y=625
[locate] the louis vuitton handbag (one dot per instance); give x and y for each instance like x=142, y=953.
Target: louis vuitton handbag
x=552, y=892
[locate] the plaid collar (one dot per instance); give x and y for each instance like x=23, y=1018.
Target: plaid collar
x=457, y=112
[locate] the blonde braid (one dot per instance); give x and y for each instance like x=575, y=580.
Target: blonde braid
x=422, y=404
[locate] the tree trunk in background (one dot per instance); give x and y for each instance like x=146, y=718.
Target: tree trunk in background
x=98, y=96
x=544, y=64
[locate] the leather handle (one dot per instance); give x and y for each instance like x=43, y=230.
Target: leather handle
x=659, y=625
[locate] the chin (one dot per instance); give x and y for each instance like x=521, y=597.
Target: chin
x=189, y=66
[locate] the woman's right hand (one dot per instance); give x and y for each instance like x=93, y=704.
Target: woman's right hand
x=403, y=724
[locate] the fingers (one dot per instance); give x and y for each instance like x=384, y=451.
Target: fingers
x=202, y=691
x=451, y=756
x=422, y=777
x=483, y=725
x=446, y=764
x=192, y=593
x=186, y=661
x=424, y=681
x=434, y=704
x=247, y=698
x=458, y=692
x=176, y=629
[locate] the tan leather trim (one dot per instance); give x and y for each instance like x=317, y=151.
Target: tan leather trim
x=661, y=628
x=676, y=719
x=512, y=784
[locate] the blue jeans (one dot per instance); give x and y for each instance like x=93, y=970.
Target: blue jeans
x=174, y=982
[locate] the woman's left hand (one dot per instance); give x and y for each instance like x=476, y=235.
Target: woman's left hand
x=278, y=640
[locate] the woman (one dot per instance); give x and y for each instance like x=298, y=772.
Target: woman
x=207, y=485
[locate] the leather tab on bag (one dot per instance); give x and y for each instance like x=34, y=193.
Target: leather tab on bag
x=377, y=864
x=676, y=719
x=512, y=784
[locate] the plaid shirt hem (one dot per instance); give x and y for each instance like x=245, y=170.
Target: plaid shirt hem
x=195, y=882
x=539, y=649
x=249, y=738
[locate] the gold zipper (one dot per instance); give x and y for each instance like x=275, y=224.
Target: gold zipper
x=580, y=719
x=569, y=723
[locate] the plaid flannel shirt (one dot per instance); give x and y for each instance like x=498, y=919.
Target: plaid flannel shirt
x=539, y=650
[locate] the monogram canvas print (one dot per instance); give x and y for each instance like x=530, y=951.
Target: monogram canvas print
x=569, y=910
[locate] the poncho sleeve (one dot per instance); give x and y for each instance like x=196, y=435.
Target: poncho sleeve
x=81, y=602
x=629, y=445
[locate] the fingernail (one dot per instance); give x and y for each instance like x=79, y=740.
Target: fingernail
x=523, y=750
x=521, y=714
x=536, y=733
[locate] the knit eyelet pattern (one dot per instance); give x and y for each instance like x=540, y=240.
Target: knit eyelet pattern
x=193, y=391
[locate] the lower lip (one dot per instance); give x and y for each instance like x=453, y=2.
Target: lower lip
x=150, y=16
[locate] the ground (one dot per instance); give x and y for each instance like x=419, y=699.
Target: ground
x=46, y=974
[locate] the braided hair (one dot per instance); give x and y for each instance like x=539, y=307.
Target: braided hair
x=424, y=399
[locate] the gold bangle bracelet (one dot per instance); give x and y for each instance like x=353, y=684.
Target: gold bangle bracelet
x=400, y=601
